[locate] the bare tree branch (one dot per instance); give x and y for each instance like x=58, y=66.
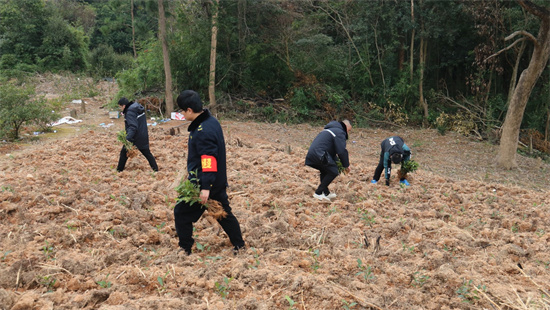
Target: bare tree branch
x=539, y=11
x=523, y=32
x=504, y=49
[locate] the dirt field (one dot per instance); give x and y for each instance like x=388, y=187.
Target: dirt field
x=75, y=234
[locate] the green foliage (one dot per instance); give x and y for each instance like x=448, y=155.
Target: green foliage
x=112, y=26
x=38, y=37
x=418, y=280
x=64, y=48
x=146, y=74
x=104, y=62
x=22, y=26
x=324, y=67
x=348, y=305
x=409, y=166
x=468, y=293
x=121, y=137
x=364, y=271
x=367, y=216
x=48, y=282
x=291, y=302
x=223, y=288
x=162, y=281
x=188, y=189
x=19, y=106
x=340, y=166
x=315, y=255
x=105, y=283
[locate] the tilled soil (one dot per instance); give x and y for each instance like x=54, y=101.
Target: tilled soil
x=75, y=234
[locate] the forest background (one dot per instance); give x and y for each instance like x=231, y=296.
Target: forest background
x=443, y=64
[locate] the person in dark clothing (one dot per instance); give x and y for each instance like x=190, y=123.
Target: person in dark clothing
x=206, y=164
x=328, y=147
x=394, y=150
x=135, y=124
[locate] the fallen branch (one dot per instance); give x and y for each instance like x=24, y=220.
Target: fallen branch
x=487, y=297
x=545, y=292
x=54, y=267
x=361, y=300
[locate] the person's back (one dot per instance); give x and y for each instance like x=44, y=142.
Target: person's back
x=328, y=147
x=331, y=141
x=393, y=150
x=135, y=123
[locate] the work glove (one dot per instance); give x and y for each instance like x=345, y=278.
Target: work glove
x=387, y=182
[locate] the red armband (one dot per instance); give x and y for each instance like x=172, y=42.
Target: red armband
x=209, y=163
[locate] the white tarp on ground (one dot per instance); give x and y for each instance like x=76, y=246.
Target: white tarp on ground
x=66, y=120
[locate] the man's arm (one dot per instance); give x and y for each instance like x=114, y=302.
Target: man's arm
x=340, y=146
x=208, y=150
x=131, y=121
x=406, y=153
x=387, y=167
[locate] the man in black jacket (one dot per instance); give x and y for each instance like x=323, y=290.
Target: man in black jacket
x=328, y=147
x=206, y=162
x=135, y=124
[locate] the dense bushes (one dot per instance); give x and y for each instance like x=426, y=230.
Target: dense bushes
x=19, y=107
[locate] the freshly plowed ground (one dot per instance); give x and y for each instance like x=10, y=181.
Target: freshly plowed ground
x=75, y=234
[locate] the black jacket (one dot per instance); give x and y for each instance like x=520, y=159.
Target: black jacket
x=206, y=153
x=135, y=123
x=390, y=146
x=330, y=141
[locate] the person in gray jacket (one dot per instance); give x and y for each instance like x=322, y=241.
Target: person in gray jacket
x=326, y=149
x=135, y=124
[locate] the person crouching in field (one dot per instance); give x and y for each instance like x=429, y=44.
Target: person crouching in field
x=326, y=149
x=394, y=150
x=135, y=124
x=206, y=164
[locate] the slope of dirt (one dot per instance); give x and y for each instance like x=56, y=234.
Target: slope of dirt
x=77, y=235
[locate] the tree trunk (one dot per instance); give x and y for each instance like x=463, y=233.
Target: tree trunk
x=510, y=129
x=547, y=131
x=515, y=72
x=401, y=58
x=411, y=61
x=547, y=124
x=213, y=45
x=166, y=57
x=133, y=29
x=422, y=64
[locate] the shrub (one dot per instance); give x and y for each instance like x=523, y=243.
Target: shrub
x=19, y=107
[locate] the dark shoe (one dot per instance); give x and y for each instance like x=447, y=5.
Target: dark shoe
x=236, y=249
x=186, y=251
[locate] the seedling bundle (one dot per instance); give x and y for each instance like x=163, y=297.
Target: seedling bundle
x=188, y=191
x=130, y=149
x=407, y=167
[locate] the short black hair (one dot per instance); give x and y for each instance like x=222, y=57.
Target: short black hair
x=396, y=158
x=190, y=99
x=123, y=101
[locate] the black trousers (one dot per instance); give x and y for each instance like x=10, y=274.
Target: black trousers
x=380, y=168
x=328, y=171
x=146, y=152
x=185, y=215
